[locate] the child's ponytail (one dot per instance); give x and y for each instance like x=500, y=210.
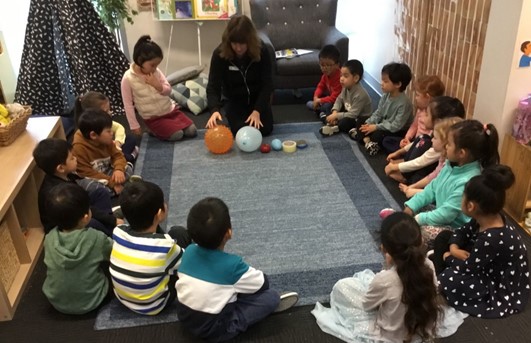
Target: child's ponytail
x=491, y=156
x=401, y=238
x=481, y=141
x=88, y=100
x=488, y=189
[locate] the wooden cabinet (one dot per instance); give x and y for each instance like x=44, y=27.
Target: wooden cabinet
x=21, y=232
x=518, y=157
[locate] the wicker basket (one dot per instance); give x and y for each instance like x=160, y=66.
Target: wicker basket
x=11, y=131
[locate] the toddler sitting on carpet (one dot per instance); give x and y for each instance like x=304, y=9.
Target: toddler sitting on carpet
x=218, y=294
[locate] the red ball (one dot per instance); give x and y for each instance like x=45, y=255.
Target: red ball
x=219, y=139
x=265, y=148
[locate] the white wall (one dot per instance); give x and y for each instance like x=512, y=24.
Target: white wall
x=13, y=20
x=501, y=83
x=370, y=28
x=183, y=50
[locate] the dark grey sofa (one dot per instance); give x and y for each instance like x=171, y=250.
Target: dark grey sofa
x=303, y=24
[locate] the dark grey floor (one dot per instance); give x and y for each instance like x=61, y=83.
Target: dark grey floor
x=36, y=321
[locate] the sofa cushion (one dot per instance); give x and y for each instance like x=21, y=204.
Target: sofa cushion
x=192, y=94
x=307, y=64
x=185, y=74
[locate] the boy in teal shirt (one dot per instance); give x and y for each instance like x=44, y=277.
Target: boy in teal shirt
x=75, y=282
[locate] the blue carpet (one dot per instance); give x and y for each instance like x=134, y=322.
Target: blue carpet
x=306, y=219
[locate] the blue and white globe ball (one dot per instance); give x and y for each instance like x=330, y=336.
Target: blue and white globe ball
x=248, y=139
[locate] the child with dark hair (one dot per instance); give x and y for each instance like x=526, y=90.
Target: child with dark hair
x=218, y=294
x=471, y=145
x=420, y=158
x=398, y=304
x=426, y=89
x=54, y=156
x=144, y=261
x=352, y=103
x=98, y=158
x=75, y=281
x=127, y=144
x=487, y=273
x=394, y=113
x=329, y=86
x=145, y=88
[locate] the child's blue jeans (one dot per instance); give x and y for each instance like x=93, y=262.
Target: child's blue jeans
x=326, y=107
x=249, y=309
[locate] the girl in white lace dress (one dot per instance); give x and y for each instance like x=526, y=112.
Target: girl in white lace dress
x=395, y=305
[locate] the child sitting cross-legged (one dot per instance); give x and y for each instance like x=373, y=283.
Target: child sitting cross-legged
x=329, y=86
x=471, y=145
x=394, y=113
x=126, y=143
x=75, y=281
x=54, y=156
x=218, y=294
x=144, y=261
x=96, y=154
x=352, y=103
x=484, y=264
x=439, y=141
x=399, y=303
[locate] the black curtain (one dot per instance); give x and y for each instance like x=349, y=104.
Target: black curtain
x=68, y=51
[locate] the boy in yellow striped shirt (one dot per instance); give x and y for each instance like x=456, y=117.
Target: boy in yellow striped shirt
x=144, y=261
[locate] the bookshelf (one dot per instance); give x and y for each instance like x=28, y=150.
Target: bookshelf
x=198, y=11
x=21, y=231
x=518, y=197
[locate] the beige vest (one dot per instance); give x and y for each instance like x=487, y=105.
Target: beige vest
x=148, y=101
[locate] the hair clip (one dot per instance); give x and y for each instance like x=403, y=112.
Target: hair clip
x=486, y=129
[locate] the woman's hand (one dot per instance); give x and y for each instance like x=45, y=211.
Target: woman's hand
x=254, y=120
x=213, y=121
x=153, y=81
x=137, y=132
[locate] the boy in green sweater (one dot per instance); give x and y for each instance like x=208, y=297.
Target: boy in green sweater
x=394, y=113
x=75, y=282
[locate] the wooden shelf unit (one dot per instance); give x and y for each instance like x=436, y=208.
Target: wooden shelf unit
x=19, y=211
x=518, y=157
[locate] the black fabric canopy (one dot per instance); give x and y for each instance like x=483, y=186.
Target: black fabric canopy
x=67, y=51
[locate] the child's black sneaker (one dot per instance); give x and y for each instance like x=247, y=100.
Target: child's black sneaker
x=287, y=301
x=328, y=130
x=322, y=117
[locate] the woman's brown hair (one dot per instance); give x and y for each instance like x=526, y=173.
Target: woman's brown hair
x=240, y=29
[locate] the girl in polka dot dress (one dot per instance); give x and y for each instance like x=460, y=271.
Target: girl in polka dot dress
x=487, y=273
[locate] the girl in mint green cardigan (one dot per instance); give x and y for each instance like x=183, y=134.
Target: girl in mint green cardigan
x=471, y=146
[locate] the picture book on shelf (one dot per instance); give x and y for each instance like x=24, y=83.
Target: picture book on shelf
x=164, y=9
x=290, y=53
x=183, y=9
